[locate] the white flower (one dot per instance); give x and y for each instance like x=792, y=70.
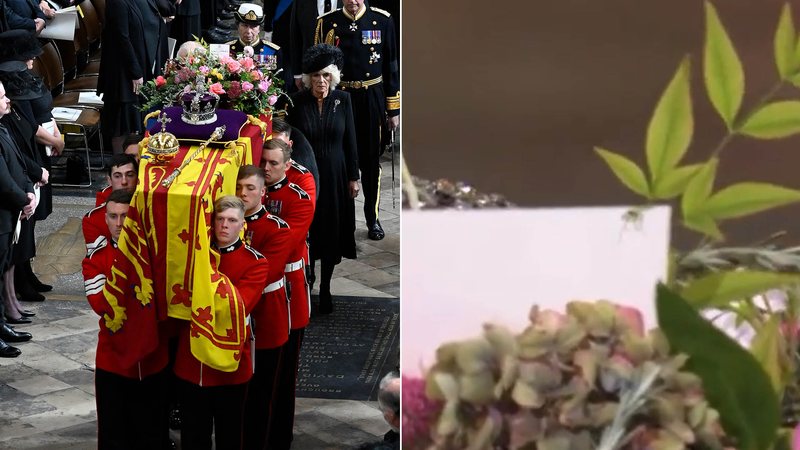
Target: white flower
x=248, y=51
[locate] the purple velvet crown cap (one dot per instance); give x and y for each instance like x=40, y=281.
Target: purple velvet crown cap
x=192, y=134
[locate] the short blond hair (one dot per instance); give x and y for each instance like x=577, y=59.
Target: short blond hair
x=228, y=202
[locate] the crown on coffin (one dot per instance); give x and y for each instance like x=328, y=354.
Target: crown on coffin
x=200, y=105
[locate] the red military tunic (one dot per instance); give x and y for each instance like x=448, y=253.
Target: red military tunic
x=247, y=270
x=94, y=227
x=271, y=236
x=292, y=203
x=102, y=196
x=96, y=268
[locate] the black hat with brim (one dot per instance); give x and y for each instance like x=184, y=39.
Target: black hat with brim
x=19, y=45
x=321, y=56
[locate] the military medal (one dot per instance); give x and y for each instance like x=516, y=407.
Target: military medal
x=371, y=37
x=374, y=57
x=353, y=27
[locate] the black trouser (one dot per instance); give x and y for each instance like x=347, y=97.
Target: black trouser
x=217, y=408
x=282, y=424
x=6, y=241
x=131, y=414
x=260, y=394
x=369, y=114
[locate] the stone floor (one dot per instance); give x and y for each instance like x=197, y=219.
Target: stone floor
x=47, y=394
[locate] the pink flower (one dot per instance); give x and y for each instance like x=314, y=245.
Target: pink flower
x=631, y=317
x=235, y=90
x=272, y=99
x=225, y=59
x=247, y=86
x=160, y=81
x=216, y=88
x=796, y=438
x=187, y=89
x=263, y=86
x=234, y=66
x=204, y=70
x=256, y=75
x=248, y=64
x=419, y=412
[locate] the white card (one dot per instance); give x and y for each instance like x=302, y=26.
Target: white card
x=220, y=50
x=461, y=269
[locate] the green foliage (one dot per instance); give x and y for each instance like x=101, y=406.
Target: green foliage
x=718, y=289
x=723, y=73
x=767, y=348
x=785, y=36
x=743, y=199
x=733, y=380
x=695, y=197
x=773, y=121
x=670, y=130
x=626, y=170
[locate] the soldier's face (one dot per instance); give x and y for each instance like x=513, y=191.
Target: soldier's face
x=115, y=218
x=352, y=6
x=248, y=33
x=123, y=177
x=274, y=166
x=227, y=225
x=250, y=190
x=5, y=103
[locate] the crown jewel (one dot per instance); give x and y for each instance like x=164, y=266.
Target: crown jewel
x=163, y=145
x=200, y=105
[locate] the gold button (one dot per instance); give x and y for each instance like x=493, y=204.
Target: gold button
x=372, y=49
x=335, y=25
x=374, y=23
x=367, y=74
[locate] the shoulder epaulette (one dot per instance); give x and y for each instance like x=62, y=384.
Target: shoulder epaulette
x=254, y=252
x=100, y=206
x=381, y=11
x=300, y=191
x=328, y=13
x=231, y=42
x=281, y=223
x=301, y=168
x=270, y=44
x=100, y=243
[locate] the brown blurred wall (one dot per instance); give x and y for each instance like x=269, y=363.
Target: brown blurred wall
x=512, y=96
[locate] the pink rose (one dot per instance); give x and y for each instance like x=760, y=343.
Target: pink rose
x=263, y=86
x=272, y=99
x=204, y=70
x=235, y=89
x=247, y=86
x=216, y=88
x=234, y=66
x=160, y=81
x=225, y=59
x=247, y=64
x=256, y=75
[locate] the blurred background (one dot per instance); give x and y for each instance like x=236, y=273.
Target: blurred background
x=512, y=97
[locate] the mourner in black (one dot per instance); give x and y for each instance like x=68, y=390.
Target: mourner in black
x=366, y=36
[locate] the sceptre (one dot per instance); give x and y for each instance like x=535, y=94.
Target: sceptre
x=218, y=132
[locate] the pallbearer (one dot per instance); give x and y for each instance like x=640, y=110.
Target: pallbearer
x=212, y=400
x=293, y=204
x=271, y=236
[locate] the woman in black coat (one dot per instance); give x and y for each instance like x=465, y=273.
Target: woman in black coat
x=124, y=67
x=325, y=117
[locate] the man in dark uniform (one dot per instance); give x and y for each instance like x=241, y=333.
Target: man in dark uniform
x=366, y=36
x=249, y=18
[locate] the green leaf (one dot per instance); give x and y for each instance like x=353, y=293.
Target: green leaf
x=721, y=288
x=733, y=381
x=674, y=182
x=773, y=121
x=766, y=347
x=670, y=129
x=743, y=199
x=698, y=190
x=784, y=44
x=626, y=170
x=723, y=74
x=705, y=225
